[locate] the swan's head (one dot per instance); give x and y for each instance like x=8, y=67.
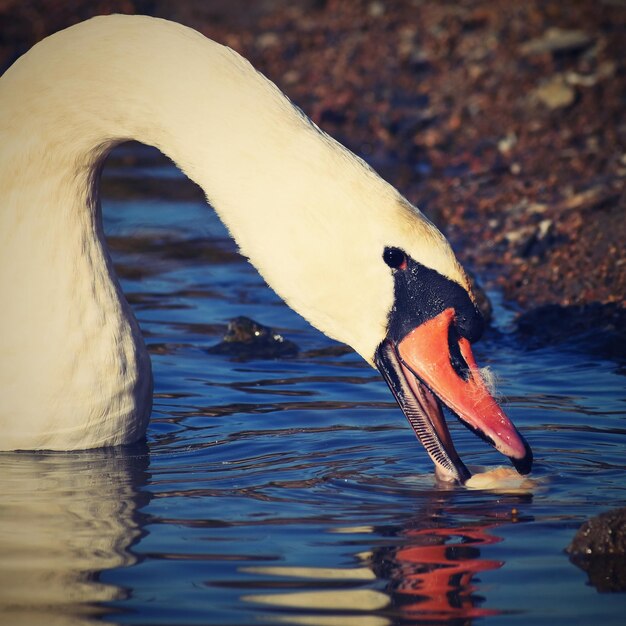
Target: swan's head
x=426, y=359
x=423, y=349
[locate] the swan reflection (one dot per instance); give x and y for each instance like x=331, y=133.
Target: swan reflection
x=430, y=574
x=64, y=518
x=433, y=575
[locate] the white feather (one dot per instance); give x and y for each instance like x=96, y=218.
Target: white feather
x=490, y=378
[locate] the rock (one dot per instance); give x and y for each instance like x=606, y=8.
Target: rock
x=588, y=199
x=506, y=144
x=246, y=339
x=376, y=9
x=520, y=237
x=291, y=77
x=267, y=40
x=531, y=240
x=544, y=228
x=599, y=548
x=605, y=70
x=555, y=93
x=557, y=40
x=604, y=534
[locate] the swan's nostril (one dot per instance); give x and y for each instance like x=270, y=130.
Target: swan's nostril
x=457, y=361
x=469, y=324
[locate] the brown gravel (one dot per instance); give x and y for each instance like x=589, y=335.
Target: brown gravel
x=504, y=121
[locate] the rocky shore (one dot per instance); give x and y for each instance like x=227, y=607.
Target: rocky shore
x=505, y=122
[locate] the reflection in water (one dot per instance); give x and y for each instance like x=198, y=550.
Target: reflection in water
x=64, y=518
x=433, y=575
x=428, y=570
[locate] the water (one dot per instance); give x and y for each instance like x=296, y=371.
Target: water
x=293, y=491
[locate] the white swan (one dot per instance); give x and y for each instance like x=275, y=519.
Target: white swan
x=340, y=245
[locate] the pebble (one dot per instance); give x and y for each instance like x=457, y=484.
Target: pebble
x=267, y=40
x=557, y=40
x=555, y=93
x=506, y=144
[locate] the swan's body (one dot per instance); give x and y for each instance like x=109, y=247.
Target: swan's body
x=74, y=371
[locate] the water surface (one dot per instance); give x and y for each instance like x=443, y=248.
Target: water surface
x=293, y=491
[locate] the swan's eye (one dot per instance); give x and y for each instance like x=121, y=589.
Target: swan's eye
x=395, y=258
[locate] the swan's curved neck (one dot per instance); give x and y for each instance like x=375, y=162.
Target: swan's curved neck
x=290, y=196
x=264, y=166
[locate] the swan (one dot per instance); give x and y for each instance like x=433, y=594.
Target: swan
x=341, y=246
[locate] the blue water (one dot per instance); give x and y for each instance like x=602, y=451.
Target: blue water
x=293, y=491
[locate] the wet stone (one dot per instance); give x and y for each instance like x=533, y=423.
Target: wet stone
x=599, y=548
x=247, y=339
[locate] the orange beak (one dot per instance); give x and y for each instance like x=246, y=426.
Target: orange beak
x=432, y=362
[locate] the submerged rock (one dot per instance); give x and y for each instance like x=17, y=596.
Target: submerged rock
x=247, y=339
x=599, y=548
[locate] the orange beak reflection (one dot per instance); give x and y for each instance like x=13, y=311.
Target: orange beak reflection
x=433, y=364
